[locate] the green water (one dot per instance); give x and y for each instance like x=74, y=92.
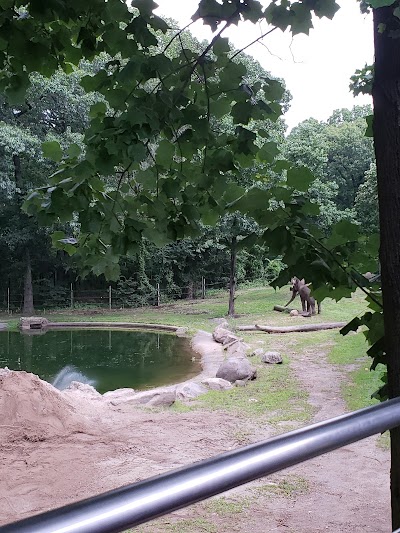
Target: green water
x=106, y=359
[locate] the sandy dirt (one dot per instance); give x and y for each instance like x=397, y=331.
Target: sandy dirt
x=56, y=448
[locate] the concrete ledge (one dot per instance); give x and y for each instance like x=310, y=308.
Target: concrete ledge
x=111, y=325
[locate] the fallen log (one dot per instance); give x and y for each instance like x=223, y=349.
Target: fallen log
x=289, y=329
x=283, y=309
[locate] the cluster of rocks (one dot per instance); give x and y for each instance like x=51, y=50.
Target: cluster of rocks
x=236, y=369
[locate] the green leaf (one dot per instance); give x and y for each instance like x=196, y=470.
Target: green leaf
x=380, y=3
x=99, y=108
x=300, y=178
x=369, y=132
x=241, y=112
x=74, y=150
x=165, y=152
x=343, y=232
x=268, y=152
x=52, y=150
x=221, y=46
x=326, y=8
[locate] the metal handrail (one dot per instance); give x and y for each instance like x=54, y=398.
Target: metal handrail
x=135, y=504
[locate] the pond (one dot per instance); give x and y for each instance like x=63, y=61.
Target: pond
x=106, y=359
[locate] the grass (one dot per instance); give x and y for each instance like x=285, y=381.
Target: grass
x=290, y=486
x=275, y=394
x=362, y=382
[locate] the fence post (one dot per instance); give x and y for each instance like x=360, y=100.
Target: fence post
x=109, y=298
x=203, y=287
x=158, y=295
x=72, y=297
x=8, y=300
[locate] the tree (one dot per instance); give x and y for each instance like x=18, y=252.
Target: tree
x=366, y=202
x=156, y=139
x=338, y=154
x=386, y=98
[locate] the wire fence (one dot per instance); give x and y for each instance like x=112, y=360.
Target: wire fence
x=11, y=301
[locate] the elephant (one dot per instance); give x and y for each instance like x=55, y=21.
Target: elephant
x=299, y=287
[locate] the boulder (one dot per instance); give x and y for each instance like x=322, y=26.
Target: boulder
x=238, y=349
x=235, y=368
x=189, y=390
x=32, y=322
x=217, y=384
x=83, y=387
x=272, y=358
x=240, y=383
x=222, y=322
x=223, y=336
x=181, y=332
x=294, y=312
x=163, y=396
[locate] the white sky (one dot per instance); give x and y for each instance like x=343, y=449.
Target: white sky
x=316, y=68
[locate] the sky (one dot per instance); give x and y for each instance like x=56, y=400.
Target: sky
x=316, y=68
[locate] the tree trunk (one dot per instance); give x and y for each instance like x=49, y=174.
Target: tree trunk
x=28, y=309
x=386, y=97
x=232, y=278
x=190, y=290
x=17, y=171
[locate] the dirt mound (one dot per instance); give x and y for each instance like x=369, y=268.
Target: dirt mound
x=34, y=410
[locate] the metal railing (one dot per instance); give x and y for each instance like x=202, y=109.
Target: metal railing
x=135, y=504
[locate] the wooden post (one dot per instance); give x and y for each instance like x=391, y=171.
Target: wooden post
x=72, y=297
x=203, y=287
x=158, y=294
x=8, y=300
x=109, y=298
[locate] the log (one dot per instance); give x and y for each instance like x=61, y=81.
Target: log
x=283, y=309
x=289, y=329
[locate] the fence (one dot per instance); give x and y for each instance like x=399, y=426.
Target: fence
x=110, y=297
x=138, y=503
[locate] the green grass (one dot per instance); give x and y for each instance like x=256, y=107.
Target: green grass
x=362, y=382
x=226, y=507
x=274, y=393
x=289, y=487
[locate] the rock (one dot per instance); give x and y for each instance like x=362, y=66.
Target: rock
x=240, y=383
x=119, y=394
x=222, y=322
x=238, y=349
x=32, y=322
x=181, y=332
x=272, y=358
x=217, y=384
x=294, y=312
x=189, y=390
x=258, y=352
x=163, y=396
x=83, y=387
x=235, y=368
x=223, y=336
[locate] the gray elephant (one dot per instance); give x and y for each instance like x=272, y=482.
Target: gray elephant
x=300, y=287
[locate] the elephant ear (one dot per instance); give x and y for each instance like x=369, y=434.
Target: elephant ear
x=303, y=281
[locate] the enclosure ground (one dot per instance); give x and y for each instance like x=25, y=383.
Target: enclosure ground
x=343, y=491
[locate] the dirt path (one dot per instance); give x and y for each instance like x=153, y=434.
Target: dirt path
x=344, y=491
x=350, y=486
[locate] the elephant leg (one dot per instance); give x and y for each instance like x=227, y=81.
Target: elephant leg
x=304, y=304
x=319, y=308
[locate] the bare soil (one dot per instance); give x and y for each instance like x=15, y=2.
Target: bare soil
x=57, y=448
